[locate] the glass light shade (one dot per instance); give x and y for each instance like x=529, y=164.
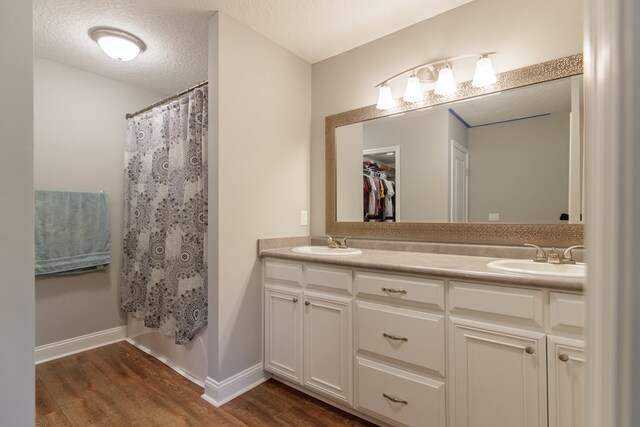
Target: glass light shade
x=119, y=48
x=445, y=85
x=385, y=98
x=116, y=43
x=413, y=92
x=484, y=75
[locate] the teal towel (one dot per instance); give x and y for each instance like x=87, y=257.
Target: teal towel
x=71, y=231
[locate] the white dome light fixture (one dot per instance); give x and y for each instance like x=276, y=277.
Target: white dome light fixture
x=118, y=44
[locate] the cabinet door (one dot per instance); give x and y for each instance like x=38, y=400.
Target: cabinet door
x=328, y=345
x=283, y=332
x=566, y=381
x=499, y=376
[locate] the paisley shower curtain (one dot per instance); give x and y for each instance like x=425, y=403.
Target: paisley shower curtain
x=163, y=277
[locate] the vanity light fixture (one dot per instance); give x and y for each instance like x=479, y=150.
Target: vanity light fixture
x=445, y=84
x=484, y=75
x=116, y=43
x=385, y=98
x=413, y=92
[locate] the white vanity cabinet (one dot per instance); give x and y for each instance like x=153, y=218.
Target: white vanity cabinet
x=400, y=349
x=565, y=358
x=409, y=350
x=506, y=367
x=308, y=327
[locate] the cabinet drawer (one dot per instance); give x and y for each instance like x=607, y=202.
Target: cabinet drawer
x=407, y=335
x=566, y=310
x=328, y=277
x=428, y=291
x=524, y=304
x=282, y=272
x=422, y=399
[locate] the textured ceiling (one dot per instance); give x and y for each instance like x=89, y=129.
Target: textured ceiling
x=175, y=31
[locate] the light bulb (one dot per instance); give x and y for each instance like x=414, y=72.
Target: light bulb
x=445, y=85
x=484, y=75
x=413, y=92
x=385, y=98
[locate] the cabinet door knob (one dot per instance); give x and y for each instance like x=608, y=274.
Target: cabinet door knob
x=307, y=303
x=394, y=337
x=295, y=300
x=563, y=357
x=530, y=350
x=395, y=399
x=394, y=291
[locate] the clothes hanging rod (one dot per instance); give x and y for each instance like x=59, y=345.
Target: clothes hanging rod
x=165, y=100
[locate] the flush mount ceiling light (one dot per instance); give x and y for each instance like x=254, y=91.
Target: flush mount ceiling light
x=445, y=85
x=116, y=43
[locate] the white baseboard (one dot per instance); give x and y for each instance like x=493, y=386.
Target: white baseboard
x=188, y=375
x=55, y=350
x=219, y=393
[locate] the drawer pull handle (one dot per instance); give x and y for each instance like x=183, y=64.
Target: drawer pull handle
x=394, y=291
x=530, y=350
x=295, y=300
x=563, y=357
x=395, y=399
x=394, y=337
x=307, y=303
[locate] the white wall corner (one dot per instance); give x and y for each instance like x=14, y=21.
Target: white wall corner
x=219, y=393
x=55, y=350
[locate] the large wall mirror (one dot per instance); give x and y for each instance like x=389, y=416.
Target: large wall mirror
x=497, y=165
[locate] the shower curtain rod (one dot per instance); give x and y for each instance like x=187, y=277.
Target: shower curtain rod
x=165, y=100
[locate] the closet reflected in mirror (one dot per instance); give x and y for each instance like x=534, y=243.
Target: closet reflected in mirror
x=514, y=156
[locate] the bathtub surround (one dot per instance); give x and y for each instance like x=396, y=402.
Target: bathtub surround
x=164, y=258
x=16, y=215
x=79, y=136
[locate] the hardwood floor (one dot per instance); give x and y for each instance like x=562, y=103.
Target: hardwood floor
x=119, y=385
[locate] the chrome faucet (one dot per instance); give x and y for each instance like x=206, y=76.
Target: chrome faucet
x=337, y=242
x=552, y=256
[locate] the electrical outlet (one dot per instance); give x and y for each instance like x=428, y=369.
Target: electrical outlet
x=494, y=217
x=304, y=217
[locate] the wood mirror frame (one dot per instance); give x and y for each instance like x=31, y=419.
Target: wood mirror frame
x=487, y=233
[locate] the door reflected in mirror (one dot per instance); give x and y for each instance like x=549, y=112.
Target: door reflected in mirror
x=510, y=157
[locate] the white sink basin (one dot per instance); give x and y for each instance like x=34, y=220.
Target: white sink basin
x=527, y=266
x=324, y=250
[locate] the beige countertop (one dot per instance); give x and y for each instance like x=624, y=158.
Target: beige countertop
x=457, y=267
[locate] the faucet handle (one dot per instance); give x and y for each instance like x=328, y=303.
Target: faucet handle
x=342, y=242
x=332, y=242
x=567, y=255
x=541, y=255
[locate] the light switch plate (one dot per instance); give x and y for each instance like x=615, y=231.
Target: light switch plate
x=494, y=217
x=304, y=217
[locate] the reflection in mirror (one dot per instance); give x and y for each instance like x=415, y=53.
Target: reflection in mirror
x=512, y=157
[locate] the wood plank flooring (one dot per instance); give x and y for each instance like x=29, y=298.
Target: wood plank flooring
x=119, y=385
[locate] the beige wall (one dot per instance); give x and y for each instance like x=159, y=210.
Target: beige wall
x=259, y=164
x=17, y=382
x=423, y=193
x=349, y=145
x=79, y=135
x=521, y=31
x=520, y=170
